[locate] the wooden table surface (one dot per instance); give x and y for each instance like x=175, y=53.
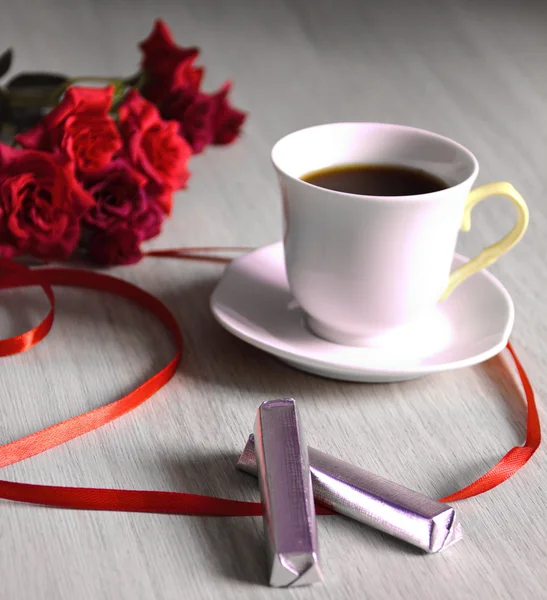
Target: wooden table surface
x=474, y=71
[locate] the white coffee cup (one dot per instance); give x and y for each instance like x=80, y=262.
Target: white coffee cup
x=361, y=266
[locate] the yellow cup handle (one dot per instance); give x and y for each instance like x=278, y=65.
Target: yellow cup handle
x=493, y=252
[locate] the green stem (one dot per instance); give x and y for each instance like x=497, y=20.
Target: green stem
x=140, y=81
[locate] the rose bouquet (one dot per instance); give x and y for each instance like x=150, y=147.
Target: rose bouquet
x=93, y=169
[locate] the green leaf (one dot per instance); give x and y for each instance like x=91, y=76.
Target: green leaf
x=24, y=118
x=5, y=108
x=5, y=62
x=36, y=81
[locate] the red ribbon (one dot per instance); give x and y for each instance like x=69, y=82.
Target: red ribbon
x=15, y=275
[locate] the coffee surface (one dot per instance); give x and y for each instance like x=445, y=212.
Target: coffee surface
x=376, y=180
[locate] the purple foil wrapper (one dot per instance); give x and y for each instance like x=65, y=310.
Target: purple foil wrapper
x=370, y=499
x=281, y=461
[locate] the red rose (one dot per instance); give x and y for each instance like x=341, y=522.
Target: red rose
x=120, y=198
x=154, y=146
x=40, y=204
x=79, y=127
x=167, y=65
x=119, y=246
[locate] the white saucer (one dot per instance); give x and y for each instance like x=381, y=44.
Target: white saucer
x=253, y=301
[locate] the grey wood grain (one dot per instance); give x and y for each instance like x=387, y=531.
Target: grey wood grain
x=470, y=70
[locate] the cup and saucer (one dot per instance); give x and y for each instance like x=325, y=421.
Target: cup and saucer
x=367, y=286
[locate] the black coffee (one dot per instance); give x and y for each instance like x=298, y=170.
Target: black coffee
x=376, y=180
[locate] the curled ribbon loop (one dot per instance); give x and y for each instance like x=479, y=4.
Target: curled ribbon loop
x=14, y=275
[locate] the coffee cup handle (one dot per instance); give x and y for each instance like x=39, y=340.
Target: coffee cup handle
x=491, y=253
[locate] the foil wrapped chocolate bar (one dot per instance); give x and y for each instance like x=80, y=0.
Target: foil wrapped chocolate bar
x=370, y=499
x=285, y=488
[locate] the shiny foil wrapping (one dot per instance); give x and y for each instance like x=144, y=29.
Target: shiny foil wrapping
x=281, y=461
x=370, y=499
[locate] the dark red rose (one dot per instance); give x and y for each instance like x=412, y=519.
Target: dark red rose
x=173, y=83
x=79, y=127
x=195, y=113
x=187, y=74
x=227, y=120
x=154, y=146
x=40, y=204
x=148, y=223
x=119, y=246
x=167, y=65
x=160, y=53
x=120, y=198
x=203, y=118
